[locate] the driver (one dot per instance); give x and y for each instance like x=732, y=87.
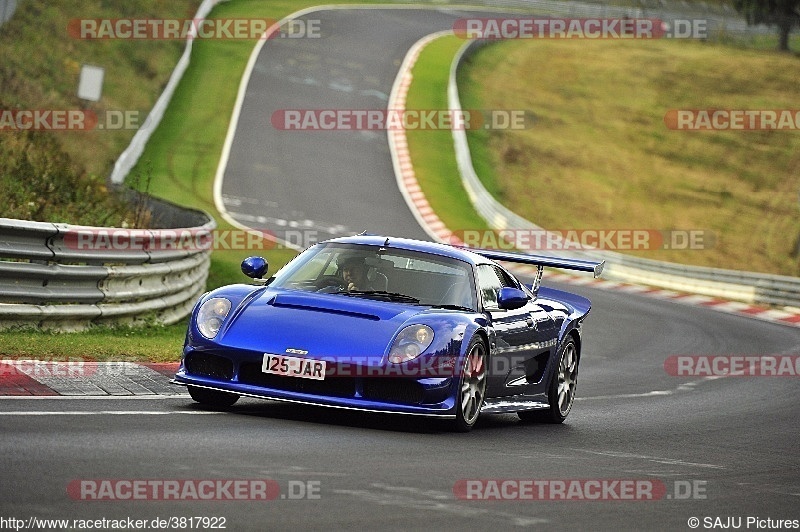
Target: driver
x=354, y=274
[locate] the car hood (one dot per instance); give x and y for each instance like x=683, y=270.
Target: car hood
x=324, y=325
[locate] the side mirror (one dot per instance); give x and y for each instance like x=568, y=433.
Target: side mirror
x=509, y=298
x=255, y=267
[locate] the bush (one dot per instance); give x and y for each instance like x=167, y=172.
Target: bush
x=40, y=182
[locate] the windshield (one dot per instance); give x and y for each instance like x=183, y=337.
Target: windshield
x=381, y=273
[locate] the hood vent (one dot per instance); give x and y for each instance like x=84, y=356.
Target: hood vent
x=348, y=307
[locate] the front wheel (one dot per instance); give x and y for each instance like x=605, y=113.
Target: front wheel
x=472, y=386
x=213, y=398
x=561, y=393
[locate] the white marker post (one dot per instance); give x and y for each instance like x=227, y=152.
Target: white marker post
x=90, y=85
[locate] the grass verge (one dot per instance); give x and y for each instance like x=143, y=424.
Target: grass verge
x=432, y=150
x=58, y=175
x=601, y=157
x=153, y=344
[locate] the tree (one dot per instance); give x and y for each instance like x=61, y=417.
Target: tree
x=781, y=13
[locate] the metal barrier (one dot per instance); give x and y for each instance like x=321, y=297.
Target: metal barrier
x=755, y=288
x=69, y=276
x=48, y=281
x=721, y=19
x=7, y=8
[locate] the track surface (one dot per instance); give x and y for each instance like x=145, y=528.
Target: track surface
x=736, y=436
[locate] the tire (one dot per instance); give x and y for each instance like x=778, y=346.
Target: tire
x=472, y=386
x=212, y=398
x=561, y=394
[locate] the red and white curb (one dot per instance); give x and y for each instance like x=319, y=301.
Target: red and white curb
x=82, y=378
x=401, y=157
x=433, y=225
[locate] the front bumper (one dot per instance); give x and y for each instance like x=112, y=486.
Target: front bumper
x=428, y=396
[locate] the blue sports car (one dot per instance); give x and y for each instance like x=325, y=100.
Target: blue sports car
x=391, y=325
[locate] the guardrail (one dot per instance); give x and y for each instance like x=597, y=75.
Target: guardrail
x=7, y=8
x=46, y=282
x=749, y=287
x=68, y=276
x=720, y=19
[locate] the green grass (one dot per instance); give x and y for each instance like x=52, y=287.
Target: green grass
x=154, y=344
x=59, y=176
x=600, y=155
x=40, y=64
x=432, y=151
x=765, y=42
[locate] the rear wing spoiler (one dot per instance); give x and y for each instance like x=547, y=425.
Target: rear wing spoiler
x=594, y=267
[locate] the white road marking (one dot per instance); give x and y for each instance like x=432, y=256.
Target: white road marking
x=112, y=413
x=656, y=459
x=433, y=500
x=93, y=397
x=684, y=387
x=654, y=393
x=261, y=220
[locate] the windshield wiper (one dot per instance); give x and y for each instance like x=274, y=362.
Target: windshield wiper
x=453, y=307
x=392, y=296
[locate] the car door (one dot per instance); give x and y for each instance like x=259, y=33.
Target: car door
x=517, y=334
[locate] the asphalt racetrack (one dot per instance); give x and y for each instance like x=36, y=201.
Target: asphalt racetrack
x=714, y=447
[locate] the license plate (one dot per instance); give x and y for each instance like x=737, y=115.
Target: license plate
x=305, y=368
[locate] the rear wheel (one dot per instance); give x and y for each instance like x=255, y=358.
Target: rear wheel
x=472, y=386
x=213, y=398
x=561, y=393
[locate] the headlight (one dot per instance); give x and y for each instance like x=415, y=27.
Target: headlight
x=211, y=315
x=410, y=343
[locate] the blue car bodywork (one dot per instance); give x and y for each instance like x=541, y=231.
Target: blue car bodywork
x=442, y=331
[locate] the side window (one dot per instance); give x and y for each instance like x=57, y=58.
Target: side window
x=505, y=279
x=489, y=283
